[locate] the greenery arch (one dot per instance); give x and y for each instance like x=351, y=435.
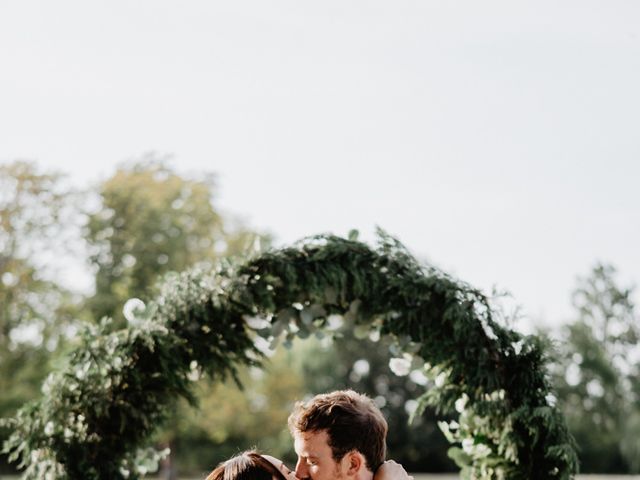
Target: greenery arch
x=98, y=410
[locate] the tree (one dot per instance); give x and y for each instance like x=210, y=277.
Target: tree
x=36, y=211
x=231, y=418
x=597, y=374
x=152, y=221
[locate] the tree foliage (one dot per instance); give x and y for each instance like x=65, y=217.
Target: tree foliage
x=151, y=221
x=230, y=418
x=41, y=219
x=597, y=374
x=100, y=409
x=36, y=210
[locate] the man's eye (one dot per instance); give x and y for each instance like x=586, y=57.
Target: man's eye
x=311, y=462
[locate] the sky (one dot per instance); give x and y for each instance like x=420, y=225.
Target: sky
x=496, y=139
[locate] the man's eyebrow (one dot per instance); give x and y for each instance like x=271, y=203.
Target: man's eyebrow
x=307, y=455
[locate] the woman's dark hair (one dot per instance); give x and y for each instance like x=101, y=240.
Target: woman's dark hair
x=249, y=465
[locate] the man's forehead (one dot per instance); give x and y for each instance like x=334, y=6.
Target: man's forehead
x=311, y=443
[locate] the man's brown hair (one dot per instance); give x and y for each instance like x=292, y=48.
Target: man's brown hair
x=352, y=422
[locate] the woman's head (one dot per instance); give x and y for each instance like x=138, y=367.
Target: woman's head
x=249, y=465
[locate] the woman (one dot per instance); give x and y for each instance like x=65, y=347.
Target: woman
x=250, y=465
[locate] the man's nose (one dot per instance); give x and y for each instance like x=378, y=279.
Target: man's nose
x=301, y=469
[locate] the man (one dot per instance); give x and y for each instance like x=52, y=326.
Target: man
x=338, y=435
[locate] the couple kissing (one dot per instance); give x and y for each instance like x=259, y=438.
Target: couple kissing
x=337, y=436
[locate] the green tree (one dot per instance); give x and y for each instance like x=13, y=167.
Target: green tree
x=597, y=374
x=36, y=211
x=232, y=418
x=152, y=221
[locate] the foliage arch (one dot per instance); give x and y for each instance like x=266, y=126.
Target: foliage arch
x=99, y=409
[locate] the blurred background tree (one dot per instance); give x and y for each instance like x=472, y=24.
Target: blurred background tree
x=231, y=419
x=597, y=375
x=37, y=214
x=151, y=221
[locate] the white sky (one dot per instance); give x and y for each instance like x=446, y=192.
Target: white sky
x=497, y=138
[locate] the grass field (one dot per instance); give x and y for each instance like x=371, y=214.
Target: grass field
x=424, y=476
x=580, y=477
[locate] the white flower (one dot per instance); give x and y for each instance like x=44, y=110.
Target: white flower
x=48, y=384
x=117, y=363
x=461, y=403
x=195, y=372
x=334, y=322
x=49, y=428
x=400, y=366
x=441, y=379
x=497, y=395
x=467, y=445
x=517, y=346
x=82, y=370
x=257, y=323
x=264, y=346
x=361, y=367
x=410, y=406
x=132, y=308
x=418, y=377
x=481, y=450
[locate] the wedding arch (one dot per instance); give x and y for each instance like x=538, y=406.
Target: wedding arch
x=98, y=411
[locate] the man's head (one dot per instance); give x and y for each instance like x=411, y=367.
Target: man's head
x=337, y=435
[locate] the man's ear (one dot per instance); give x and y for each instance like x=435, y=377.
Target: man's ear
x=355, y=462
